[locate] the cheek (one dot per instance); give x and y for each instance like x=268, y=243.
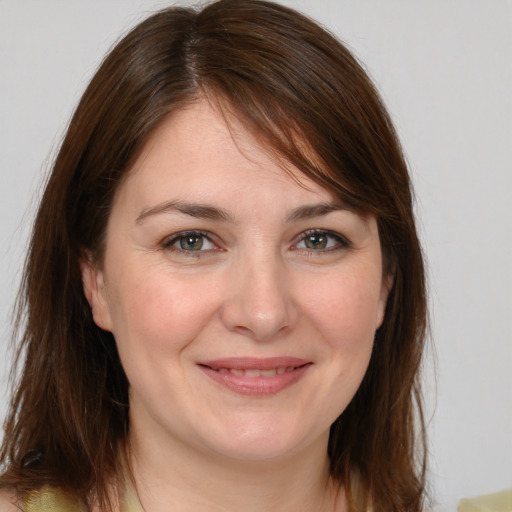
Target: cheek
x=346, y=310
x=157, y=314
x=344, y=315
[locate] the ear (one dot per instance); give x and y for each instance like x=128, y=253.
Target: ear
x=95, y=291
x=387, y=283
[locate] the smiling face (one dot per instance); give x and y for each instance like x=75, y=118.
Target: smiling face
x=244, y=305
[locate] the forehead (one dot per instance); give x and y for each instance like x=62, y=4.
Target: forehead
x=199, y=150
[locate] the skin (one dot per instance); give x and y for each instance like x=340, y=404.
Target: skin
x=272, y=278
x=8, y=501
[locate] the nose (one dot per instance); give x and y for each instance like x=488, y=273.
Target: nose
x=259, y=303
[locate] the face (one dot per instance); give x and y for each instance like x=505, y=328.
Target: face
x=244, y=305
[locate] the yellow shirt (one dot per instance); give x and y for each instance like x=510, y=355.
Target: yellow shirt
x=48, y=499
x=498, y=502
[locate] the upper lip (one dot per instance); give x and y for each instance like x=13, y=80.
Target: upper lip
x=255, y=363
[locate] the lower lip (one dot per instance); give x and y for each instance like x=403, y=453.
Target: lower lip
x=256, y=386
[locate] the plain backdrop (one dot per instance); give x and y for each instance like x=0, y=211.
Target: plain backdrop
x=444, y=68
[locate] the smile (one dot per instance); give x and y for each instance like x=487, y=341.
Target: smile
x=256, y=372
x=256, y=377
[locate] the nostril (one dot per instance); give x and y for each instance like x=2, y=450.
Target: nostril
x=257, y=324
x=259, y=302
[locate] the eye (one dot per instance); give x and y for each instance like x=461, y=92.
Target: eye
x=319, y=240
x=189, y=241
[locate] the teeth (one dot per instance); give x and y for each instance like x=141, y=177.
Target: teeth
x=250, y=373
x=254, y=372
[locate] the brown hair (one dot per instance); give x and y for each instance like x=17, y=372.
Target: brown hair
x=301, y=92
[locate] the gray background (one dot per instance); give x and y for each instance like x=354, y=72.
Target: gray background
x=444, y=68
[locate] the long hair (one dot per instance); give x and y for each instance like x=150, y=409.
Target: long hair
x=304, y=95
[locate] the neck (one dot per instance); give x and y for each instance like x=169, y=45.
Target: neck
x=169, y=473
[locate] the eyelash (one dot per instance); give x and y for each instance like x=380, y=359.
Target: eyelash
x=340, y=242
x=169, y=243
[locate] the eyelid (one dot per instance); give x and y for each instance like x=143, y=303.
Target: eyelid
x=169, y=241
x=342, y=241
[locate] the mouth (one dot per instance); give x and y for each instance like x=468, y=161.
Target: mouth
x=252, y=373
x=254, y=376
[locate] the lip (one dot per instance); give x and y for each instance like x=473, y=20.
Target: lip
x=279, y=373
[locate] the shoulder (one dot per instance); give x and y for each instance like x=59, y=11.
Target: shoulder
x=44, y=500
x=9, y=502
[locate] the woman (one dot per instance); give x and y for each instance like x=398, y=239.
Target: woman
x=224, y=295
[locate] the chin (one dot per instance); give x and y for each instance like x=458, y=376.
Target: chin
x=258, y=441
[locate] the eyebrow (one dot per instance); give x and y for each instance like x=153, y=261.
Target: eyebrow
x=197, y=210
x=315, y=210
x=206, y=211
